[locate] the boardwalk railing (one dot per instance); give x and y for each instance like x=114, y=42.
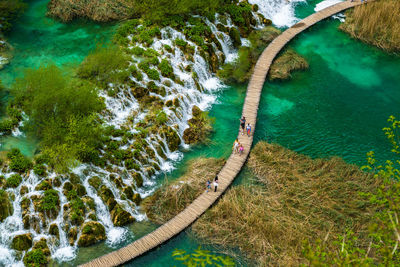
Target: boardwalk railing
x=235, y=161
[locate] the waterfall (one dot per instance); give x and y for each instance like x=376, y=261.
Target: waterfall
x=281, y=12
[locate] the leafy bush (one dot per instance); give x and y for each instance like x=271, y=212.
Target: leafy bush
x=35, y=258
x=14, y=181
x=39, y=169
x=50, y=201
x=7, y=125
x=19, y=162
x=166, y=69
x=95, y=69
x=161, y=118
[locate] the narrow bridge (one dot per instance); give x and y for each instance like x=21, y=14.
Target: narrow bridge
x=234, y=163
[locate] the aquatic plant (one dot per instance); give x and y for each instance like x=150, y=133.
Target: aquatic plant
x=201, y=257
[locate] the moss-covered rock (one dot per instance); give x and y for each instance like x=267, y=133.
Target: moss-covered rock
x=95, y=181
x=136, y=198
x=44, y=185
x=92, y=232
x=235, y=36
x=35, y=258
x=22, y=242
x=53, y=230
x=42, y=245
x=121, y=217
x=26, y=220
x=172, y=137
x=23, y=190
x=13, y=181
x=5, y=205
x=138, y=178
x=72, y=235
x=199, y=127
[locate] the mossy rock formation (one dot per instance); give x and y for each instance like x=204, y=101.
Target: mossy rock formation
x=5, y=205
x=22, y=242
x=199, y=127
x=92, y=232
x=121, y=217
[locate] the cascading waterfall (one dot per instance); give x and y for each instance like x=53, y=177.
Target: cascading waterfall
x=199, y=90
x=281, y=12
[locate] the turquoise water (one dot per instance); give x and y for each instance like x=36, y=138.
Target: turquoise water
x=337, y=107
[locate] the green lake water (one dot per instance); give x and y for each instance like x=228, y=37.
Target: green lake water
x=336, y=108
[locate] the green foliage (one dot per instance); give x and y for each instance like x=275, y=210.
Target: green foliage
x=166, y=69
x=103, y=64
x=384, y=228
x=7, y=125
x=18, y=162
x=201, y=257
x=35, y=258
x=50, y=201
x=39, y=169
x=164, y=11
x=161, y=118
x=239, y=13
x=62, y=114
x=14, y=181
x=9, y=11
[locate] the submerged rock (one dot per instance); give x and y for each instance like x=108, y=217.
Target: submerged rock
x=92, y=232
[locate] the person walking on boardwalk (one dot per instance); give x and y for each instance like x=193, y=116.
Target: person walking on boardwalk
x=235, y=146
x=243, y=123
x=215, y=183
x=241, y=149
x=208, y=185
x=248, y=129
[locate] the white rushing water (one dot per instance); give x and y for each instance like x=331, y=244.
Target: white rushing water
x=281, y=12
x=200, y=90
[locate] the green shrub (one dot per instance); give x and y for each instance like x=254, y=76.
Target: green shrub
x=7, y=125
x=39, y=169
x=35, y=258
x=95, y=69
x=153, y=74
x=50, y=201
x=18, y=162
x=180, y=43
x=138, y=51
x=14, y=181
x=161, y=118
x=166, y=69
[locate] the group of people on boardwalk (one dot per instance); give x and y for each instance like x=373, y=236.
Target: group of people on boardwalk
x=215, y=183
x=238, y=148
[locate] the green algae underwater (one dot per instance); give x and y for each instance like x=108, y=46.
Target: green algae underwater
x=337, y=107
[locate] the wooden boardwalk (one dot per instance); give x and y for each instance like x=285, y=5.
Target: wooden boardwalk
x=234, y=163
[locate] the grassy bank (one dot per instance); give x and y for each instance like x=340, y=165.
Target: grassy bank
x=292, y=199
x=172, y=198
x=377, y=23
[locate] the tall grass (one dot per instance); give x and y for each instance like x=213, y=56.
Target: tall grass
x=376, y=23
x=293, y=198
x=173, y=197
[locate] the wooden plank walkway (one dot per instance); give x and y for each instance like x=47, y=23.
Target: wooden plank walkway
x=234, y=163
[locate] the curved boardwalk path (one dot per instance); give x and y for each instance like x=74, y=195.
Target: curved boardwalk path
x=234, y=163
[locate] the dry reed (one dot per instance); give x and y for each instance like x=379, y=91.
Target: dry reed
x=294, y=198
x=376, y=23
x=173, y=197
x=286, y=63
